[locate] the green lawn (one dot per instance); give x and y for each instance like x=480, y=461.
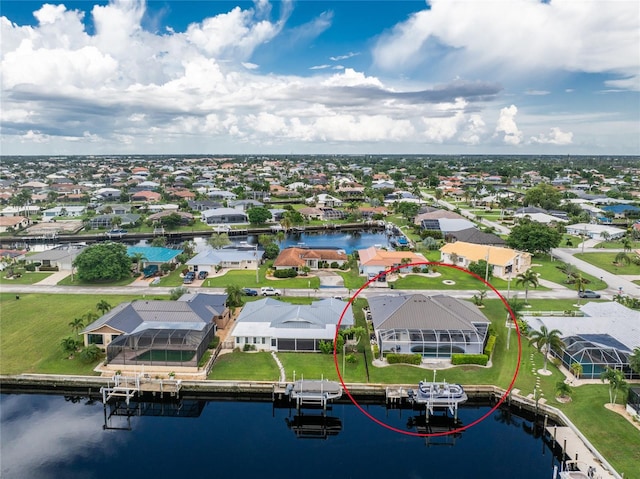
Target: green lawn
x=550, y=271
x=256, y=366
x=612, y=435
x=605, y=262
x=26, y=277
x=617, y=245
x=75, y=281
x=33, y=326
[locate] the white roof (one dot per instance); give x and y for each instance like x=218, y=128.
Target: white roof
x=614, y=319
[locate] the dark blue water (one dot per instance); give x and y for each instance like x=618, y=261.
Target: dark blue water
x=46, y=437
x=349, y=242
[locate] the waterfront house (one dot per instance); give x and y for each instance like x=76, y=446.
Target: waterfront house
x=224, y=216
x=157, y=332
x=13, y=223
x=63, y=211
x=60, y=258
x=230, y=258
x=273, y=325
x=433, y=326
x=603, y=336
x=373, y=261
x=106, y=221
x=154, y=255
x=475, y=236
x=298, y=258
x=504, y=262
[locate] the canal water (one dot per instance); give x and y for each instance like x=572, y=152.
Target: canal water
x=53, y=437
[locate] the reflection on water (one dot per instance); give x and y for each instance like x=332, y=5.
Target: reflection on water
x=52, y=437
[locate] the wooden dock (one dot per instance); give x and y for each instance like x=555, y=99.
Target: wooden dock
x=578, y=453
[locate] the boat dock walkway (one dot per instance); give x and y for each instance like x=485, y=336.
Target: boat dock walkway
x=578, y=453
x=129, y=387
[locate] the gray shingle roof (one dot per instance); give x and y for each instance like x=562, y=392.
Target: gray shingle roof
x=417, y=311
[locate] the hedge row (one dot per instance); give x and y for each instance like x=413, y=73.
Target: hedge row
x=285, y=273
x=491, y=342
x=481, y=359
x=393, y=358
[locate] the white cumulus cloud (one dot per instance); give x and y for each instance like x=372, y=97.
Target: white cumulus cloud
x=506, y=127
x=555, y=137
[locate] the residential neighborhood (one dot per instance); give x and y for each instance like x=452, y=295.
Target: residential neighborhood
x=219, y=260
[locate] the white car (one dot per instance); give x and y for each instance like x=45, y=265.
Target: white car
x=269, y=291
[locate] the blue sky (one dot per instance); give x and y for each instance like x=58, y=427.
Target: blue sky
x=218, y=77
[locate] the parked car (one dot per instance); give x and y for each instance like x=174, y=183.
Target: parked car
x=116, y=233
x=203, y=274
x=587, y=293
x=189, y=277
x=269, y=291
x=249, y=292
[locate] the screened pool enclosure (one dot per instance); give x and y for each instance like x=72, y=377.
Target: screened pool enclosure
x=595, y=353
x=161, y=347
x=432, y=343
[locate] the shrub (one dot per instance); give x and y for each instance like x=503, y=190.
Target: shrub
x=491, y=342
x=214, y=342
x=285, y=273
x=326, y=347
x=393, y=358
x=351, y=358
x=376, y=350
x=249, y=347
x=481, y=359
x=30, y=267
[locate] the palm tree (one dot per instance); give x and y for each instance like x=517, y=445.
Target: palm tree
x=626, y=244
x=576, y=369
x=622, y=258
x=77, y=324
x=634, y=360
x=616, y=383
x=528, y=278
x=69, y=345
x=234, y=295
x=580, y=282
x=545, y=340
x=138, y=258
x=563, y=390
x=103, y=306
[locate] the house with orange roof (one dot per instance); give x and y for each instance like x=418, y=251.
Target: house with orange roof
x=146, y=196
x=13, y=223
x=504, y=262
x=298, y=258
x=373, y=261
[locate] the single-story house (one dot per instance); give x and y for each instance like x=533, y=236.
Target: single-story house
x=146, y=196
x=13, y=222
x=108, y=193
x=185, y=218
x=115, y=209
x=597, y=232
x=324, y=200
x=433, y=326
x=61, y=257
x=155, y=255
x=203, y=205
x=158, y=332
x=475, y=236
x=272, y=325
x=67, y=211
x=232, y=258
x=224, y=216
x=298, y=258
x=504, y=262
x=373, y=261
x=106, y=221
x=604, y=337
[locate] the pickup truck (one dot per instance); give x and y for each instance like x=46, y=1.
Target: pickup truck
x=269, y=291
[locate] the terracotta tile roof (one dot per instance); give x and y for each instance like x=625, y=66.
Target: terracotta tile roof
x=476, y=252
x=296, y=257
x=379, y=257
